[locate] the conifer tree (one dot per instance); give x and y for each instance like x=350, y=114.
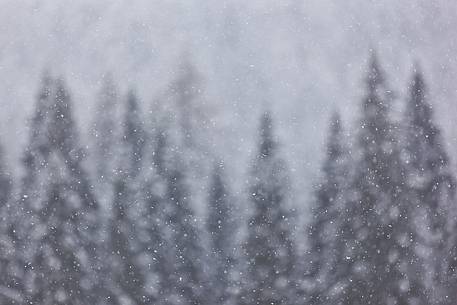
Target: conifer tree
x=134, y=134
x=104, y=146
x=12, y=276
x=371, y=189
x=105, y=138
x=127, y=280
x=220, y=225
x=182, y=268
x=150, y=232
x=185, y=92
x=432, y=188
x=59, y=226
x=190, y=125
x=324, y=230
x=6, y=180
x=378, y=228
x=269, y=246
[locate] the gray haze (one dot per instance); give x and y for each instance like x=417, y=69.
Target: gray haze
x=302, y=59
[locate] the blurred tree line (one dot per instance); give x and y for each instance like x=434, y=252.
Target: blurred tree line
x=382, y=228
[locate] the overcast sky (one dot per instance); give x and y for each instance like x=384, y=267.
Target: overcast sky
x=301, y=59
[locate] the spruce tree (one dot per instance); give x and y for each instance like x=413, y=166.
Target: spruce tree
x=150, y=218
x=127, y=277
x=269, y=246
x=126, y=280
x=134, y=134
x=190, y=125
x=104, y=146
x=371, y=189
x=185, y=91
x=325, y=227
x=182, y=268
x=150, y=233
x=6, y=180
x=105, y=138
x=221, y=228
x=11, y=277
x=378, y=228
x=59, y=225
x=430, y=180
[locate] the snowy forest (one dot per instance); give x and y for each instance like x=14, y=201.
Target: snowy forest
x=129, y=176
x=383, y=228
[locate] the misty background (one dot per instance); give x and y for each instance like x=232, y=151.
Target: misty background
x=300, y=59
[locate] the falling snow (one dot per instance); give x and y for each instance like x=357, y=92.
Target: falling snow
x=233, y=153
